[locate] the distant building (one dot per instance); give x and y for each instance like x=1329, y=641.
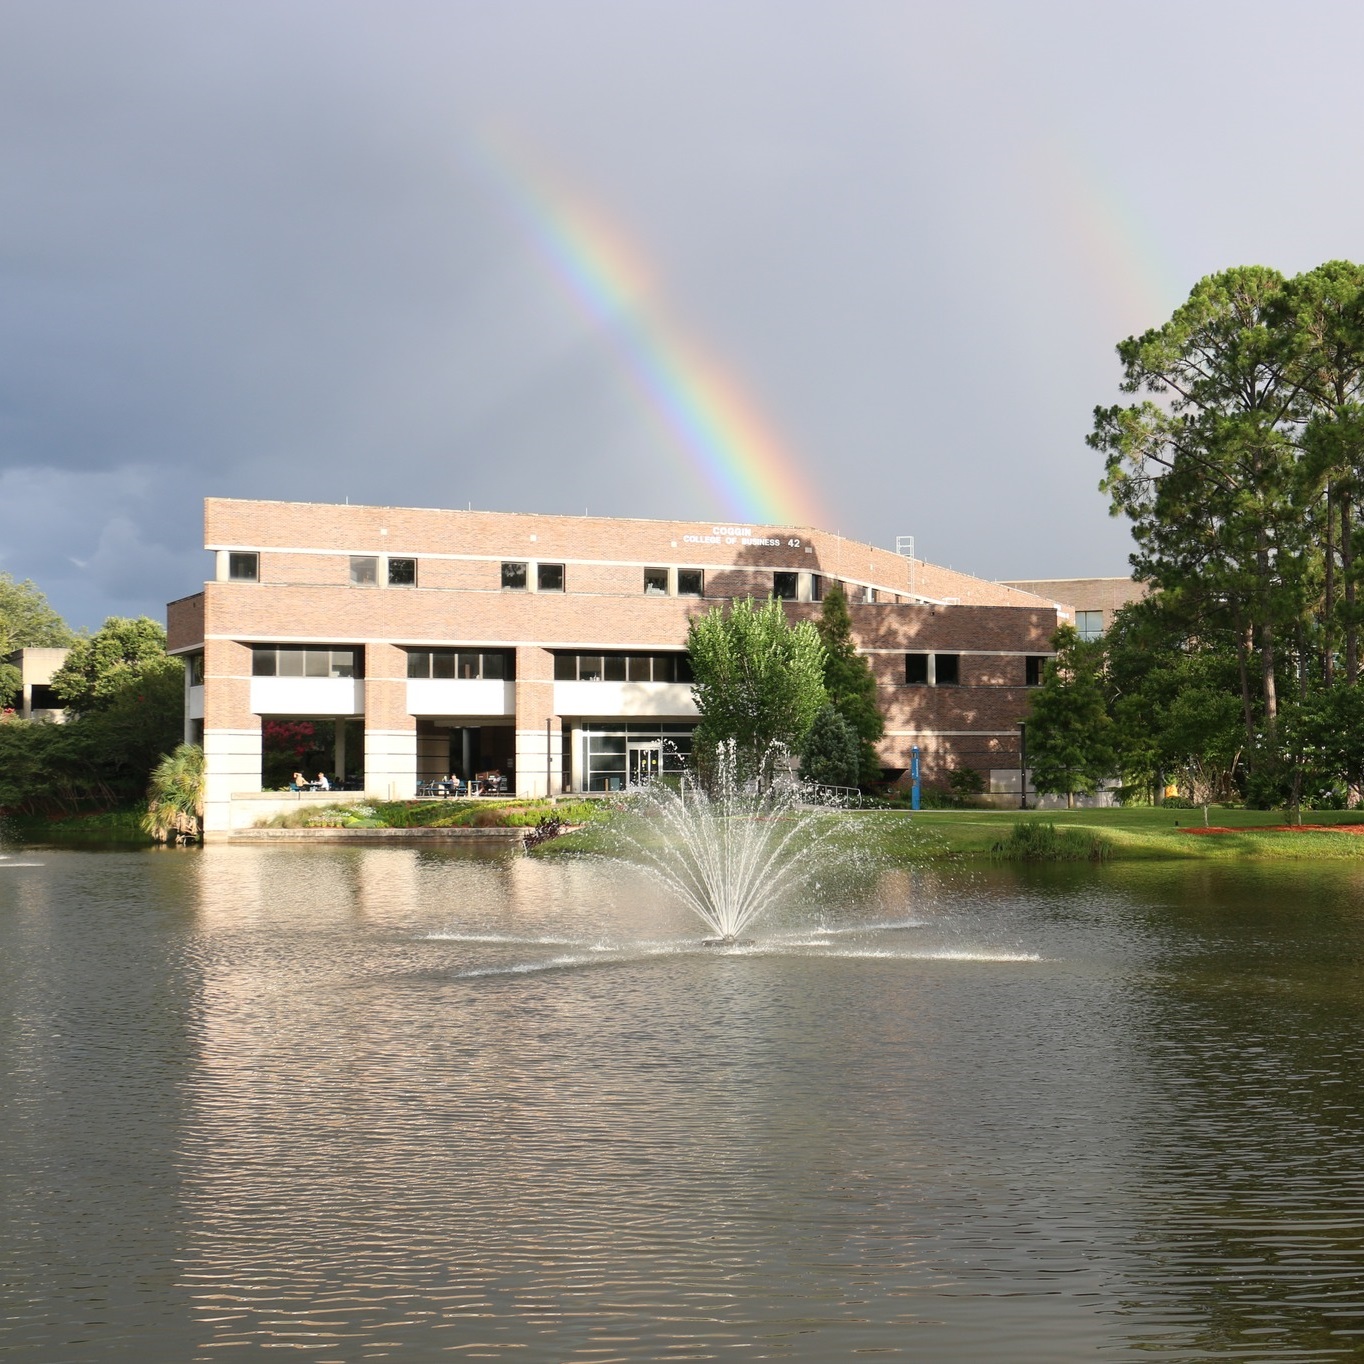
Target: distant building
x=37, y=701
x=1093, y=601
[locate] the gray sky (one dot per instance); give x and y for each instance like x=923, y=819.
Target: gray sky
x=274, y=250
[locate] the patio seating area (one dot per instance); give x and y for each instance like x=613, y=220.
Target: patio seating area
x=483, y=784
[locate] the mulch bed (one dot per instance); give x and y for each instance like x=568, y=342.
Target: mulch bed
x=1275, y=829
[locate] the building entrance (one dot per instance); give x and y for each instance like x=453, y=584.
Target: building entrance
x=644, y=761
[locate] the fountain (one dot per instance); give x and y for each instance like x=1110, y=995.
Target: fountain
x=732, y=849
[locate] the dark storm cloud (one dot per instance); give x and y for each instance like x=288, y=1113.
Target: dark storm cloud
x=255, y=250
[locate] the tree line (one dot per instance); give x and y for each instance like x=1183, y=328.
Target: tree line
x=125, y=700
x=1240, y=466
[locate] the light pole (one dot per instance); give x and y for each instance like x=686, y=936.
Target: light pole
x=1022, y=764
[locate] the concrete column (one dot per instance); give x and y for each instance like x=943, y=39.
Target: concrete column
x=534, y=705
x=339, y=753
x=232, y=733
x=932, y=670
x=577, y=757
x=390, y=729
x=220, y=565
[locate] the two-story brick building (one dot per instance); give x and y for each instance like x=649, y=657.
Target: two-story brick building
x=552, y=648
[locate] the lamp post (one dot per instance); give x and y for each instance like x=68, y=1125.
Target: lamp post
x=914, y=777
x=1022, y=764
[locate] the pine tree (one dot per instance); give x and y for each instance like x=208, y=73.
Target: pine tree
x=830, y=756
x=849, y=682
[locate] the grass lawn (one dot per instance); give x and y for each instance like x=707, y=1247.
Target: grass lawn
x=1143, y=832
x=1129, y=834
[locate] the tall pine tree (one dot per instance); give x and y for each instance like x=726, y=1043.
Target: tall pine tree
x=849, y=683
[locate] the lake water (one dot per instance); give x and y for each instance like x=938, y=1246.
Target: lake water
x=397, y=1103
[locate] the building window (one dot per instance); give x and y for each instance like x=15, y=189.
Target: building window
x=947, y=670
x=1090, y=624
x=514, y=577
x=674, y=667
x=1034, y=671
x=916, y=670
x=549, y=577
x=296, y=660
x=364, y=570
x=402, y=573
x=691, y=582
x=194, y=666
x=816, y=587
x=785, y=586
x=243, y=568
x=869, y=595
x=655, y=582
x=466, y=665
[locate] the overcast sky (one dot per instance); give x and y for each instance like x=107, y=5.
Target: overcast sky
x=268, y=250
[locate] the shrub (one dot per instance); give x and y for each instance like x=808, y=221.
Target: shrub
x=1042, y=841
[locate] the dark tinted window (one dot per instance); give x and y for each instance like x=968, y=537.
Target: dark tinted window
x=784, y=586
x=816, y=587
x=614, y=667
x=450, y=664
x=402, y=573
x=947, y=669
x=691, y=582
x=1034, y=668
x=550, y=577
x=514, y=576
x=565, y=668
x=294, y=660
x=243, y=568
x=916, y=669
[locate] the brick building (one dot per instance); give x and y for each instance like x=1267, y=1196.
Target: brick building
x=552, y=648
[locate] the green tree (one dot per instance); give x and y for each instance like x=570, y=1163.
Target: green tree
x=26, y=621
x=26, y=618
x=1209, y=476
x=849, y=682
x=101, y=666
x=758, y=680
x=1069, y=741
x=830, y=754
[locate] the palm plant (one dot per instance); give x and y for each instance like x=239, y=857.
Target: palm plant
x=175, y=798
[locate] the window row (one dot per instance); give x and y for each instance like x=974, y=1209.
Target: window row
x=244, y=566
x=944, y=670
x=622, y=668
x=295, y=660
x=464, y=664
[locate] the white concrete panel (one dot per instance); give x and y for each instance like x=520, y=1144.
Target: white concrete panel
x=231, y=766
x=194, y=704
x=391, y=763
x=532, y=750
x=432, y=696
x=307, y=696
x=614, y=699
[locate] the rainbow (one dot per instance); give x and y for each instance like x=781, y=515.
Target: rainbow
x=731, y=451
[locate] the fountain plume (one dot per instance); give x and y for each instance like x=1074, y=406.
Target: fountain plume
x=731, y=848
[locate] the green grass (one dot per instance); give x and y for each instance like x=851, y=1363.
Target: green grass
x=435, y=814
x=1128, y=834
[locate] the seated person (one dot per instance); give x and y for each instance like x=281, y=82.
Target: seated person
x=322, y=784
x=298, y=782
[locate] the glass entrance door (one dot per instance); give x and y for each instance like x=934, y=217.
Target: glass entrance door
x=643, y=761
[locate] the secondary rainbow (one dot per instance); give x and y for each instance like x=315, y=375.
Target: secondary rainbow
x=728, y=446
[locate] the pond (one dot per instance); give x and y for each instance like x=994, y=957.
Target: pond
x=398, y=1102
